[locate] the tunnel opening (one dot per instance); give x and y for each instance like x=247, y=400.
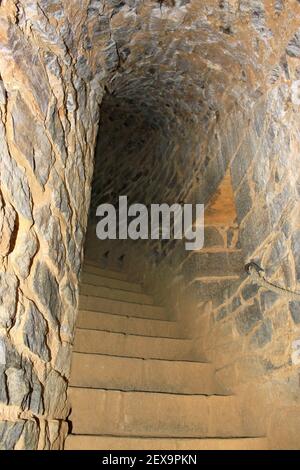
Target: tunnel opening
x=150, y=155
x=141, y=154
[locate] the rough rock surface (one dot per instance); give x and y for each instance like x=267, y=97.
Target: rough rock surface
x=197, y=87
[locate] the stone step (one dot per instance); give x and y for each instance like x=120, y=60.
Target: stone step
x=120, y=373
x=117, y=307
x=124, y=324
x=85, y=442
x=120, y=344
x=148, y=414
x=104, y=281
x=115, y=294
x=92, y=269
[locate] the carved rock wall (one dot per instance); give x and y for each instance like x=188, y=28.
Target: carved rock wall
x=49, y=99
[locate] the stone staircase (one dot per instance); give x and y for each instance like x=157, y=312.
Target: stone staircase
x=136, y=383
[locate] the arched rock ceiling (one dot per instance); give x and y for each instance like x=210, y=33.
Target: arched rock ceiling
x=173, y=60
x=193, y=56
x=186, y=61
x=174, y=69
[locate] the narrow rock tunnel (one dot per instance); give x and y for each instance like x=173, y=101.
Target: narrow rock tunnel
x=186, y=102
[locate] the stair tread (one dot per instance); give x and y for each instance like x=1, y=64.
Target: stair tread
x=115, y=294
x=132, y=345
x=125, y=324
x=100, y=330
x=96, y=280
x=119, y=373
x=87, y=302
x=125, y=316
x=156, y=414
x=90, y=442
x=137, y=382
x=109, y=273
x=154, y=395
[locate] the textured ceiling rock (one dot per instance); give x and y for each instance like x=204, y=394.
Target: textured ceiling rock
x=176, y=62
x=183, y=68
x=197, y=57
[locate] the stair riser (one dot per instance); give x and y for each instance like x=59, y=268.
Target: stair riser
x=101, y=342
x=116, y=443
x=168, y=397
x=121, y=295
x=104, y=272
x=121, y=308
x=118, y=324
x=148, y=414
x=95, y=280
x=116, y=373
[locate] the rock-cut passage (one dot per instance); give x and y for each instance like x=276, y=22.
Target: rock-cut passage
x=136, y=383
